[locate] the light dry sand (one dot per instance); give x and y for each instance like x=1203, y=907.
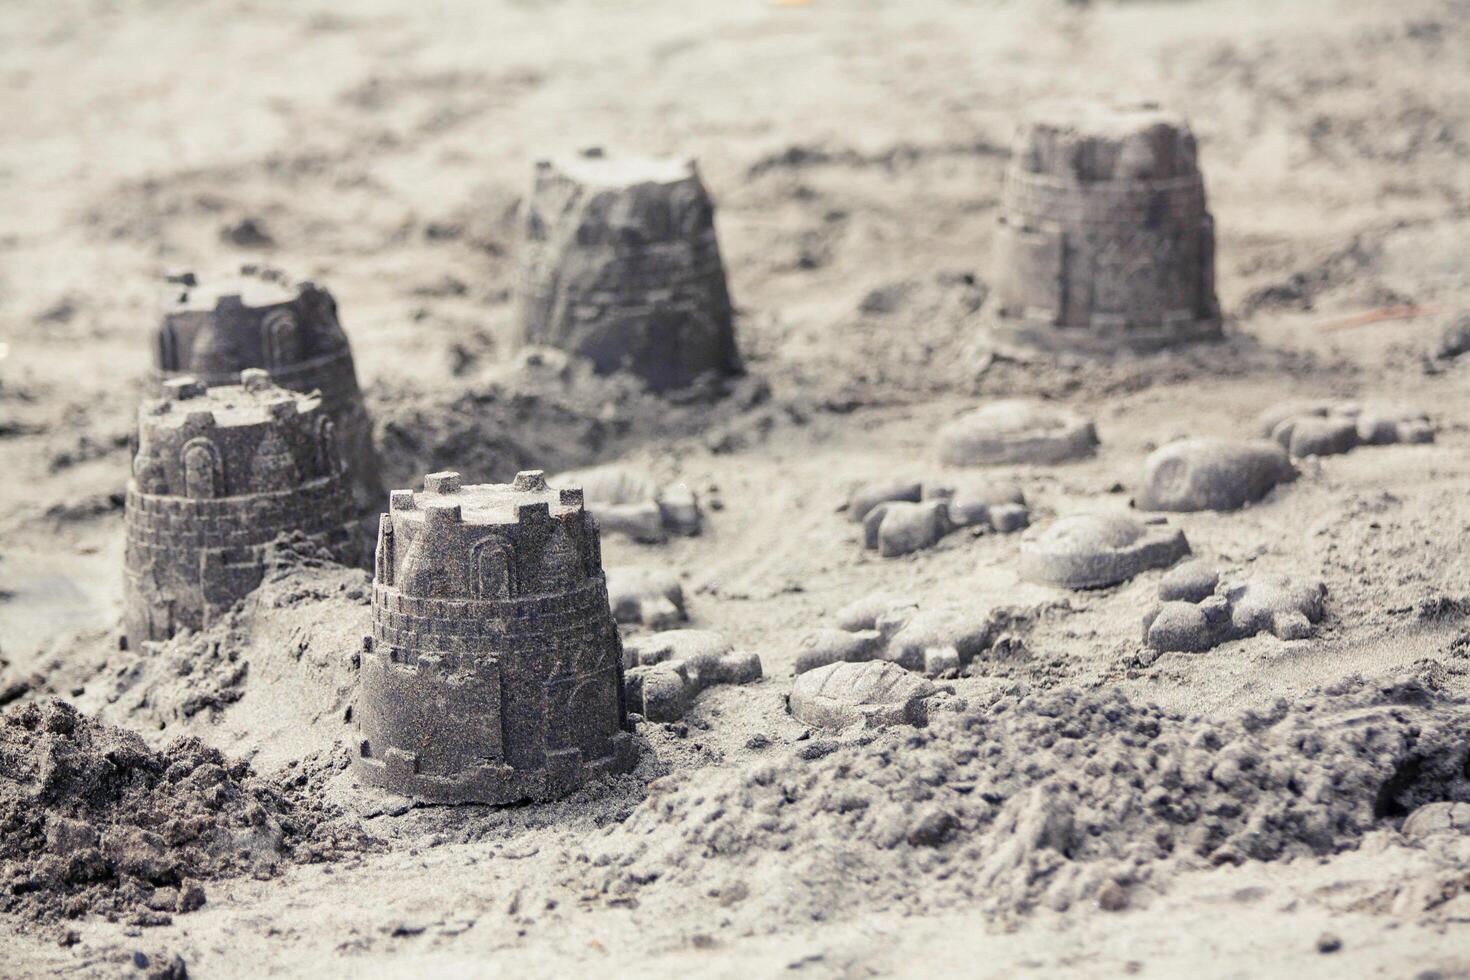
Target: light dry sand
x=851, y=147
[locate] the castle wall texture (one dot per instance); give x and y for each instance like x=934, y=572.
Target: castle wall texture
x=217, y=476
x=1104, y=239
x=494, y=672
x=621, y=266
x=261, y=319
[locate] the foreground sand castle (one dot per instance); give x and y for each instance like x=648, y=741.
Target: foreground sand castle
x=494, y=672
x=214, y=329
x=1105, y=241
x=217, y=475
x=622, y=266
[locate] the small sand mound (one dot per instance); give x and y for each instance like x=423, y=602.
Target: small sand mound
x=93, y=821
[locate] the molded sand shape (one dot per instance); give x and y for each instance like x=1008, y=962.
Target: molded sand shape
x=874, y=694
x=495, y=670
x=1212, y=474
x=1197, y=614
x=894, y=628
x=625, y=501
x=217, y=476
x=1016, y=432
x=214, y=328
x=903, y=516
x=665, y=672
x=1104, y=242
x=1089, y=551
x=621, y=266
x=649, y=596
x=1326, y=428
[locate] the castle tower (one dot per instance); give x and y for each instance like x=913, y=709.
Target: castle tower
x=217, y=475
x=1104, y=240
x=621, y=266
x=494, y=672
x=261, y=319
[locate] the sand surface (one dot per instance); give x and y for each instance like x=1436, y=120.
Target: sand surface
x=855, y=153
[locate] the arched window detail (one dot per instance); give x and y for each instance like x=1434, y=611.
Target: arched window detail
x=329, y=458
x=493, y=565
x=203, y=475
x=416, y=575
x=168, y=349
x=561, y=564
x=273, y=468
x=384, y=557
x=281, y=339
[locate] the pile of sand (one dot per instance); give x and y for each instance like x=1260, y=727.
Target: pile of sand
x=93, y=821
x=1043, y=800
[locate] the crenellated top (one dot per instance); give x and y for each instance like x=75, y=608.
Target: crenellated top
x=1100, y=143
x=258, y=318
x=623, y=203
x=492, y=541
x=233, y=440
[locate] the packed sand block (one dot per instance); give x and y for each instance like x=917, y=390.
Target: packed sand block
x=625, y=501
x=1197, y=613
x=1212, y=474
x=664, y=673
x=901, y=516
x=1016, y=431
x=621, y=266
x=896, y=628
x=95, y=822
x=646, y=596
x=1091, y=551
x=1327, y=428
x=212, y=328
x=874, y=694
x=217, y=475
x=1104, y=240
x=494, y=670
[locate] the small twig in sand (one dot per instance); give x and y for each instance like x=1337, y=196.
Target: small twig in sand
x=1377, y=316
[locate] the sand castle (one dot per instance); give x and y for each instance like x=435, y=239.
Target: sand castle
x=622, y=267
x=212, y=330
x=494, y=672
x=217, y=475
x=1104, y=240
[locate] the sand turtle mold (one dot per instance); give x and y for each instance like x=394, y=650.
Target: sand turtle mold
x=1088, y=551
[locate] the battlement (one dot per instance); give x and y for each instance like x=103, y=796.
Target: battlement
x=258, y=328
x=486, y=541
x=233, y=440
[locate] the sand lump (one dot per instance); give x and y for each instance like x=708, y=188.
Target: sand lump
x=94, y=821
x=1196, y=614
x=647, y=596
x=1212, y=474
x=1328, y=428
x=1015, y=431
x=1048, y=799
x=903, y=515
x=1090, y=551
x=874, y=694
x=665, y=672
x=625, y=501
x=891, y=627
